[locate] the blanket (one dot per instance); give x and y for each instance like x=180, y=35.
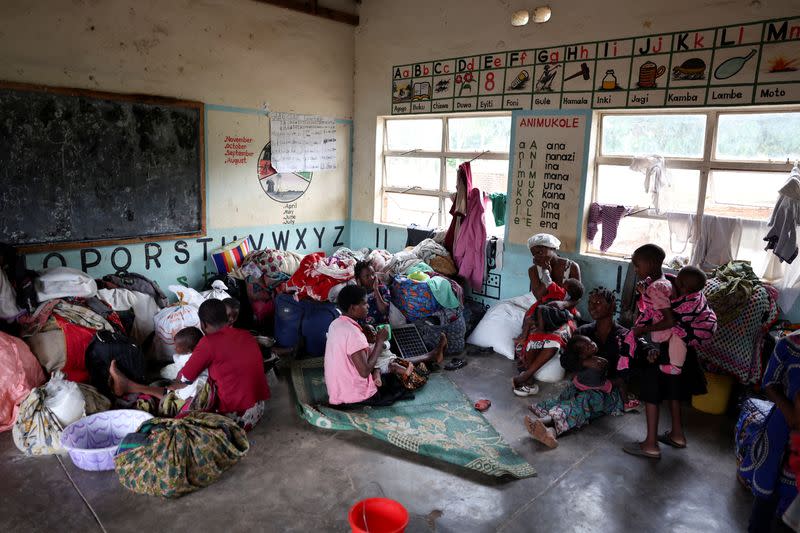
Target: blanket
x=439, y=422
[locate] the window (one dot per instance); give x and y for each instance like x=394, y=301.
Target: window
x=727, y=163
x=420, y=160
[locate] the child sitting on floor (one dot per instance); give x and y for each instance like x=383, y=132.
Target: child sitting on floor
x=554, y=309
x=695, y=321
x=185, y=342
x=589, y=396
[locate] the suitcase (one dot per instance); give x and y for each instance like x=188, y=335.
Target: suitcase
x=288, y=319
x=317, y=317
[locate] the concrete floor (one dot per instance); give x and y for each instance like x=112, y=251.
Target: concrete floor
x=300, y=478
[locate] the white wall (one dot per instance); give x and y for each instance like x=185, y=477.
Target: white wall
x=399, y=33
x=234, y=55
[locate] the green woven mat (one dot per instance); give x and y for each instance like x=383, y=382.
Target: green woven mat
x=439, y=422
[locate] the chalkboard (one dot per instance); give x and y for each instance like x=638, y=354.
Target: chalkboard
x=82, y=167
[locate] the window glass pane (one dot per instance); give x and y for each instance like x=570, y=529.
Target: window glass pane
x=667, y=135
x=750, y=195
x=758, y=136
x=479, y=134
x=423, y=134
x=619, y=185
x=634, y=231
x=488, y=175
x=405, y=209
x=422, y=172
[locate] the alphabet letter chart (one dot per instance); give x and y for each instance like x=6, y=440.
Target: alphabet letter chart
x=302, y=142
x=549, y=157
x=742, y=64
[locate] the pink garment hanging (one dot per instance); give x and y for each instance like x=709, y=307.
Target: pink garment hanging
x=470, y=245
x=459, y=208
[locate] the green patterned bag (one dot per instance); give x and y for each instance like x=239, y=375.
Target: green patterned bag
x=171, y=457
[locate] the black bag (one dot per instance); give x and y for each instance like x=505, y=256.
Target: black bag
x=451, y=323
x=106, y=347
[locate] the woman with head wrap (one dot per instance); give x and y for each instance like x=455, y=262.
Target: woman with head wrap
x=547, y=266
x=538, y=347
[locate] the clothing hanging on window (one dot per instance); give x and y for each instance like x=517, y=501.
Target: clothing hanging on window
x=470, y=246
x=459, y=208
x=718, y=242
x=498, y=208
x=782, y=235
x=608, y=216
x=655, y=178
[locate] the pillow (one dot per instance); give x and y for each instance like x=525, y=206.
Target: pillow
x=501, y=324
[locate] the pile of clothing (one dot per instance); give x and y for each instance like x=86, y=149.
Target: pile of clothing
x=265, y=273
x=746, y=308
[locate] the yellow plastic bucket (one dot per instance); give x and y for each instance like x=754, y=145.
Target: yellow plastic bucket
x=715, y=401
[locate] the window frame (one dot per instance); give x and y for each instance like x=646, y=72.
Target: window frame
x=705, y=164
x=443, y=155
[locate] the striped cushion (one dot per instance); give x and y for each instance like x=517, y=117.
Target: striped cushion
x=230, y=256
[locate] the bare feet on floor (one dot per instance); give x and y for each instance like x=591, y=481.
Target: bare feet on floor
x=119, y=383
x=540, y=432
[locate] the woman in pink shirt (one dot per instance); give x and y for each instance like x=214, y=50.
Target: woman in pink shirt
x=350, y=360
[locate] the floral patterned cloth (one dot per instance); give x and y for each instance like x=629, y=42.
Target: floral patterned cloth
x=439, y=422
x=171, y=457
x=574, y=408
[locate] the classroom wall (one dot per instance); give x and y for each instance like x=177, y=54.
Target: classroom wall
x=393, y=33
x=241, y=58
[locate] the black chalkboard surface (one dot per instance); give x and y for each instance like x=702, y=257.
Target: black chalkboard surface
x=82, y=167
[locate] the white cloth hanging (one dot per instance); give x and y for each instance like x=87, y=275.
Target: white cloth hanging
x=718, y=241
x=655, y=177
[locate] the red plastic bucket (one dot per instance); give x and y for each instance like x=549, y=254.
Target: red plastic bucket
x=378, y=515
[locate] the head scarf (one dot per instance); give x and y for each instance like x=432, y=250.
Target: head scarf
x=544, y=239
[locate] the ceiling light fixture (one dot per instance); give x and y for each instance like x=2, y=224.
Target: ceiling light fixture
x=520, y=18
x=542, y=14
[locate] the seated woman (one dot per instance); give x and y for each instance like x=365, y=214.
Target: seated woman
x=350, y=361
x=609, y=337
x=377, y=294
x=764, y=448
x=234, y=364
x=539, y=347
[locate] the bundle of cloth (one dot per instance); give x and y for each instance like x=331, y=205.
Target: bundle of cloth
x=746, y=308
x=265, y=273
x=428, y=251
x=321, y=278
x=60, y=331
x=72, y=309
